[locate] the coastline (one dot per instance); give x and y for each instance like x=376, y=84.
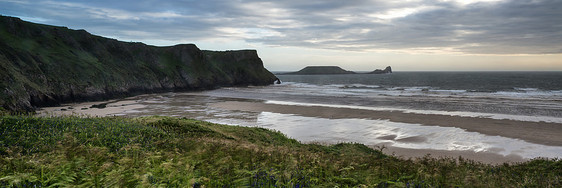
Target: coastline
x=98, y=72
x=534, y=132
x=133, y=106
x=86, y=109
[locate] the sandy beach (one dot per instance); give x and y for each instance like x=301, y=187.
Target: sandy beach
x=86, y=109
x=484, y=157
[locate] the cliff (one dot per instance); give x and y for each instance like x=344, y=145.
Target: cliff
x=315, y=70
x=43, y=65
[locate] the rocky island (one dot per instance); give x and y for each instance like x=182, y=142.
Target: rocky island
x=312, y=70
x=379, y=71
x=42, y=65
x=326, y=70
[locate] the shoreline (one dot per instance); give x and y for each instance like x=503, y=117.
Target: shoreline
x=534, y=132
x=85, y=109
x=483, y=157
x=130, y=105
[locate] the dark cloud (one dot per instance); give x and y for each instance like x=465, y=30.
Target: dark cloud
x=483, y=27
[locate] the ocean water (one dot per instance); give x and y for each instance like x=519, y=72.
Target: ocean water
x=465, y=81
x=536, y=94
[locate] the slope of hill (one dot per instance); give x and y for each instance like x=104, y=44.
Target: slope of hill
x=178, y=152
x=43, y=65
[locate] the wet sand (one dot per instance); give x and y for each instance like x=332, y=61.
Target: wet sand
x=543, y=133
x=484, y=157
x=86, y=109
x=534, y=132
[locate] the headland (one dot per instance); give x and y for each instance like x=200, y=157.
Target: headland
x=44, y=65
x=327, y=70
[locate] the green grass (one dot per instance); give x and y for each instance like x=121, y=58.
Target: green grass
x=175, y=152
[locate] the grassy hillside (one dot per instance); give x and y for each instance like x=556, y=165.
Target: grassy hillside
x=173, y=152
x=45, y=65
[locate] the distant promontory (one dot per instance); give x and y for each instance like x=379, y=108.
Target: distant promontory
x=379, y=71
x=42, y=65
x=327, y=70
x=312, y=70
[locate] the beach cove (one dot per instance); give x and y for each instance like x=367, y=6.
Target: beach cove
x=405, y=133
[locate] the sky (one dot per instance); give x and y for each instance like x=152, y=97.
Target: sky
x=359, y=35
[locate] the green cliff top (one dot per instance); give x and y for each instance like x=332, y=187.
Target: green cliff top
x=43, y=65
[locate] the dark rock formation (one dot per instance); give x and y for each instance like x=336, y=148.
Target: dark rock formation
x=316, y=70
x=43, y=65
x=385, y=71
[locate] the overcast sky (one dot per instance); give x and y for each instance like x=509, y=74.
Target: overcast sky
x=451, y=35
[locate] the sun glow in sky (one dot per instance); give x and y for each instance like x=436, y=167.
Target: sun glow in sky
x=409, y=35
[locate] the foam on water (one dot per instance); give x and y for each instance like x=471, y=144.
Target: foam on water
x=361, y=89
x=530, y=104
x=462, y=114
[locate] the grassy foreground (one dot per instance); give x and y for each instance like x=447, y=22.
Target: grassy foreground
x=174, y=152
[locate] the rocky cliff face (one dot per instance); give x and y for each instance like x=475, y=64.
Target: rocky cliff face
x=44, y=65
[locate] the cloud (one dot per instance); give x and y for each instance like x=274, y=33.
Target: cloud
x=508, y=27
x=413, y=26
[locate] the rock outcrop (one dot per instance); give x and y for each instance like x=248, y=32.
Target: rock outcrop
x=385, y=71
x=43, y=65
x=326, y=70
x=316, y=70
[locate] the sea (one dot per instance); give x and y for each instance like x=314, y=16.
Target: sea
x=521, y=96
x=529, y=95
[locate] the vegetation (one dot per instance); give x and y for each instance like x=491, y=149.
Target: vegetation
x=174, y=152
x=44, y=65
